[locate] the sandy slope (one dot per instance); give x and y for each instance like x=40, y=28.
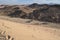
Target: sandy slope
x=29, y=32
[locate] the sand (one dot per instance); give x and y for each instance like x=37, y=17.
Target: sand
x=29, y=32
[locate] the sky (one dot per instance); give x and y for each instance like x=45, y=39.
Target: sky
x=12, y=2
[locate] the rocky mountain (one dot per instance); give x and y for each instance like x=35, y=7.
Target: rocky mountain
x=40, y=12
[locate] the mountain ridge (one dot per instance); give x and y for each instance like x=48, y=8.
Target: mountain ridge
x=44, y=12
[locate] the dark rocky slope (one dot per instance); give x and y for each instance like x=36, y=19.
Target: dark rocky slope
x=44, y=12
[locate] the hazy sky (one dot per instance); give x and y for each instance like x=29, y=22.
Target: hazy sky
x=28, y=1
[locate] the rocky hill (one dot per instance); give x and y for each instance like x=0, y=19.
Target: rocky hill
x=40, y=12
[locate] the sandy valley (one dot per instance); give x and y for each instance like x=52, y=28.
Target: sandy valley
x=29, y=32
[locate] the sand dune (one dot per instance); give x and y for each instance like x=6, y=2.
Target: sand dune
x=29, y=32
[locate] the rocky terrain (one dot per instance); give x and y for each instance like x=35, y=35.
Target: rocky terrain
x=30, y=22
x=40, y=12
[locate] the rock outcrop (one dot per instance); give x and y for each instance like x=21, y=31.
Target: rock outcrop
x=44, y=12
